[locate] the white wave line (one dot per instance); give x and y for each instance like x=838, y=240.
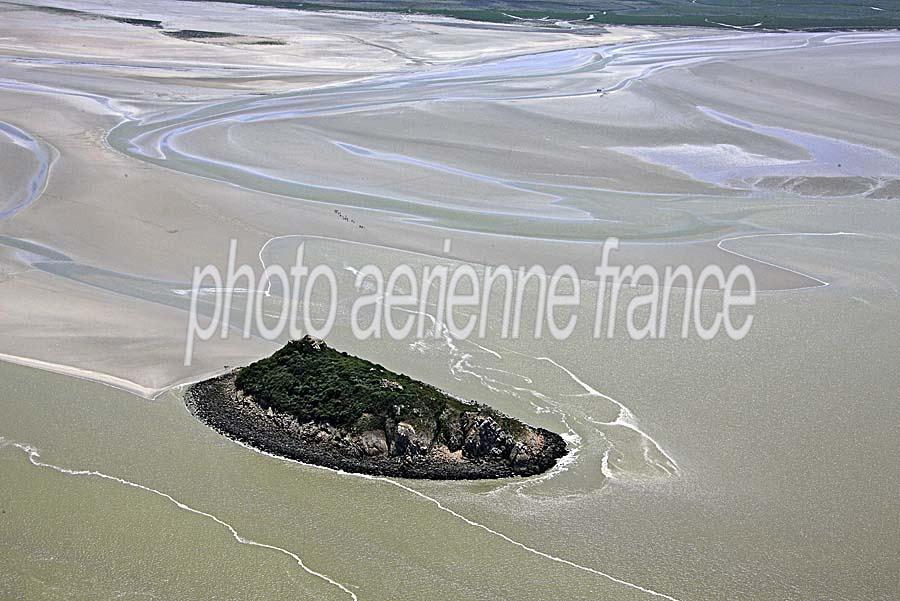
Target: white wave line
x=573, y=442
x=462, y=518
x=572, y=438
x=526, y=547
x=775, y=265
x=604, y=463
x=34, y=455
x=512, y=541
x=485, y=349
x=571, y=457
x=624, y=412
x=526, y=379
x=626, y=417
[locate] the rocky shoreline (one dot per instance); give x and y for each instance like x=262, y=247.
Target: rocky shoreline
x=477, y=447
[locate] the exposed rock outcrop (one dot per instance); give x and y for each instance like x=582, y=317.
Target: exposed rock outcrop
x=462, y=441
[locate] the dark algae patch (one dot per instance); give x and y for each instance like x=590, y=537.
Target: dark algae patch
x=317, y=405
x=199, y=35
x=140, y=22
x=193, y=34
x=772, y=14
x=809, y=15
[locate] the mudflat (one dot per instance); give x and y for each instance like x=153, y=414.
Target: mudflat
x=139, y=141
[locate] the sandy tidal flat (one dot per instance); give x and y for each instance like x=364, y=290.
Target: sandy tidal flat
x=698, y=470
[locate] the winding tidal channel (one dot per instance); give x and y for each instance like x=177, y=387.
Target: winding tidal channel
x=759, y=469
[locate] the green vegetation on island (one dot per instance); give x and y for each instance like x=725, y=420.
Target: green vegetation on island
x=313, y=382
x=322, y=406
x=316, y=383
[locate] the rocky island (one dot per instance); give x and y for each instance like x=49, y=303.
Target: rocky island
x=317, y=405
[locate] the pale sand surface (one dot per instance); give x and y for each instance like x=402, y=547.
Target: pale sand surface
x=752, y=470
x=68, y=83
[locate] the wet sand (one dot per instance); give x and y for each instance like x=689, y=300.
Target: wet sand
x=757, y=469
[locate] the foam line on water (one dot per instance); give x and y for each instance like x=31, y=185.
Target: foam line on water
x=34, y=458
x=530, y=549
x=572, y=438
x=573, y=443
x=626, y=417
x=820, y=282
x=487, y=350
x=464, y=519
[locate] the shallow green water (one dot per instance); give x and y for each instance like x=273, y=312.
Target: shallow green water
x=786, y=486
x=760, y=470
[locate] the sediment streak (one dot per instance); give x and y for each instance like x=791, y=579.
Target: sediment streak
x=34, y=458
